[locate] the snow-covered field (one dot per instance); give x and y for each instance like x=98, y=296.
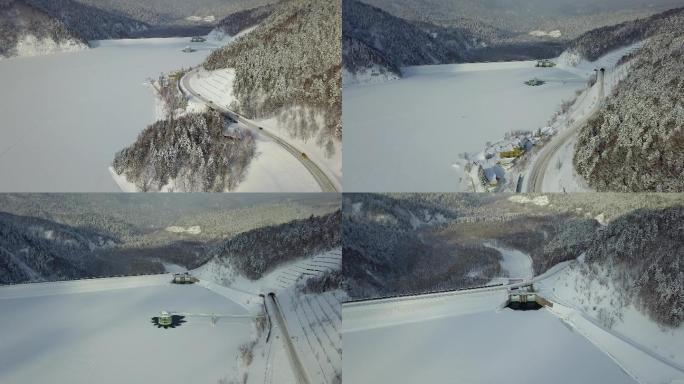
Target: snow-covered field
x=480, y=344
x=626, y=333
x=64, y=116
x=100, y=331
x=406, y=134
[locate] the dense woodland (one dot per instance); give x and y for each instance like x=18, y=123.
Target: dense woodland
x=254, y=253
x=33, y=249
x=166, y=12
x=385, y=252
x=290, y=65
x=237, y=22
x=643, y=254
x=88, y=22
x=635, y=142
x=388, y=38
x=19, y=19
x=190, y=152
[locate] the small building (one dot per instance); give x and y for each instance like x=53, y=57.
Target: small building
x=184, y=278
x=198, y=39
x=545, y=63
x=512, y=153
x=165, y=319
x=525, y=143
x=535, y=82
x=232, y=130
x=487, y=176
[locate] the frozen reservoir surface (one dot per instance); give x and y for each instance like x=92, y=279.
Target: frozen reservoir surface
x=99, y=331
x=506, y=346
x=64, y=116
x=404, y=135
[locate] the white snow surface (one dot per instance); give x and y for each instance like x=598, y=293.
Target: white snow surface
x=539, y=33
x=330, y=165
x=191, y=230
x=216, y=86
x=564, y=178
x=541, y=200
x=274, y=169
x=66, y=115
x=516, y=264
x=470, y=340
x=406, y=134
x=100, y=331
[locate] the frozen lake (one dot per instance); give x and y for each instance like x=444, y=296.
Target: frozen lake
x=64, y=116
x=404, y=135
x=100, y=331
x=507, y=346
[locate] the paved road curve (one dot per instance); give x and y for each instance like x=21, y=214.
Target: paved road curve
x=321, y=178
x=295, y=362
x=536, y=175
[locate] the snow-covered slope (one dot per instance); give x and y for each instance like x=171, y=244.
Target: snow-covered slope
x=597, y=309
x=28, y=31
x=571, y=61
x=313, y=320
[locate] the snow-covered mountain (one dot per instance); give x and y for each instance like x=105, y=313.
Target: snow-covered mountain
x=90, y=23
x=634, y=142
x=33, y=249
x=523, y=20
x=395, y=244
x=289, y=67
x=376, y=43
x=639, y=257
x=254, y=253
x=237, y=22
x=597, y=42
x=26, y=30
x=175, y=12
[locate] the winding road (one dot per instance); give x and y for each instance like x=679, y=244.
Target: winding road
x=535, y=181
x=321, y=178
